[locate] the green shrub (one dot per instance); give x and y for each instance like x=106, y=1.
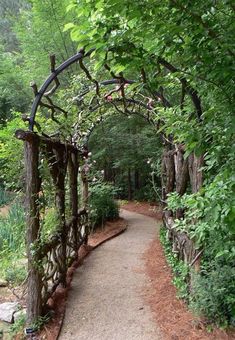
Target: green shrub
x=102, y=206
x=212, y=291
x=12, y=228
x=17, y=328
x=5, y=197
x=146, y=193
x=179, y=268
x=213, y=295
x=15, y=274
x=50, y=223
x=12, y=245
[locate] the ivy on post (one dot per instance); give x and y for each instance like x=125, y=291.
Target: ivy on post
x=57, y=160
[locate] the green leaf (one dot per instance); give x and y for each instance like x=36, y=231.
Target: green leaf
x=68, y=26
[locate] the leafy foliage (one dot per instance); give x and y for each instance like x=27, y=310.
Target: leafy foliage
x=5, y=197
x=219, y=305
x=50, y=223
x=102, y=206
x=11, y=154
x=126, y=144
x=12, y=245
x=12, y=229
x=179, y=268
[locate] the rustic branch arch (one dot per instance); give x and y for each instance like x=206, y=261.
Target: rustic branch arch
x=49, y=260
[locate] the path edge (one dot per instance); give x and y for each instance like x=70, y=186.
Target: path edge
x=73, y=267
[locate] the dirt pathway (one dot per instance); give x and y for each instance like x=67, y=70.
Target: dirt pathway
x=105, y=301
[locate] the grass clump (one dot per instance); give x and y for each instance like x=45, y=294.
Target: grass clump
x=12, y=245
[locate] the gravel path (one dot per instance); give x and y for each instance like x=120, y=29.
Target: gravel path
x=105, y=301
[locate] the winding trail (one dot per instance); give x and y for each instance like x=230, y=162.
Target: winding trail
x=105, y=301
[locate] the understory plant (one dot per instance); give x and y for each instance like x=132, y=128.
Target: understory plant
x=12, y=245
x=102, y=204
x=213, y=294
x=5, y=196
x=179, y=268
x=12, y=228
x=209, y=222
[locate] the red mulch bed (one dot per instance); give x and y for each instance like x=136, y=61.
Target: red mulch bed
x=171, y=314
x=58, y=302
x=145, y=208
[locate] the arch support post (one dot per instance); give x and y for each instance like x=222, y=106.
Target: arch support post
x=73, y=184
x=32, y=178
x=85, y=192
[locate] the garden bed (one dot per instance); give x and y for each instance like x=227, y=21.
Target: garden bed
x=171, y=313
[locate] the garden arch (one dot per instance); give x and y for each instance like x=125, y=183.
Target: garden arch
x=49, y=259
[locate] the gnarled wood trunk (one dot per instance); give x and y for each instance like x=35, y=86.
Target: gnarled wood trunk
x=34, y=300
x=195, y=172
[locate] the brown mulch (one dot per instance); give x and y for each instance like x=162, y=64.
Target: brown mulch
x=145, y=208
x=58, y=302
x=112, y=228
x=171, y=314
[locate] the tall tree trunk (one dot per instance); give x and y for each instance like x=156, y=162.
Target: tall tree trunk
x=137, y=180
x=129, y=185
x=105, y=171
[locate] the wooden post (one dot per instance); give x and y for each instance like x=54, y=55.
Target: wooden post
x=57, y=160
x=34, y=298
x=85, y=194
x=168, y=174
x=196, y=180
x=181, y=174
x=73, y=186
x=195, y=174
x=59, y=173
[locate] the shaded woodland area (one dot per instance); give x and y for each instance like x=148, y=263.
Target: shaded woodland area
x=143, y=111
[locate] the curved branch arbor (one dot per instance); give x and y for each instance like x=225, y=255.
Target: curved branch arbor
x=63, y=155
x=49, y=259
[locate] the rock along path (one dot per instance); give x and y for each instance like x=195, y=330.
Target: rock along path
x=105, y=301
